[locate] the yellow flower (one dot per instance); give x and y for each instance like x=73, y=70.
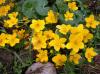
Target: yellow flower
x=91, y=22
x=49, y=34
x=51, y=18
x=3, y=39
x=75, y=58
x=77, y=30
x=38, y=34
x=2, y=1
x=37, y=25
x=42, y=56
x=90, y=53
x=12, y=39
x=39, y=42
x=4, y=10
x=20, y=33
x=68, y=16
x=64, y=28
x=59, y=59
x=73, y=6
x=13, y=15
x=10, y=22
x=58, y=43
x=76, y=39
x=75, y=43
x=87, y=35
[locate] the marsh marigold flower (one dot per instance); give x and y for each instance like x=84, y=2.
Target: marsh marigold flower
x=58, y=43
x=90, y=53
x=64, y=28
x=51, y=18
x=59, y=59
x=39, y=42
x=75, y=58
x=12, y=39
x=37, y=25
x=13, y=15
x=76, y=39
x=3, y=39
x=38, y=34
x=77, y=30
x=72, y=6
x=75, y=43
x=87, y=35
x=49, y=34
x=42, y=56
x=20, y=33
x=12, y=20
x=91, y=22
x=4, y=10
x=68, y=15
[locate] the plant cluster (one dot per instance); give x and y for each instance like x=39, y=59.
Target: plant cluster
x=58, y=32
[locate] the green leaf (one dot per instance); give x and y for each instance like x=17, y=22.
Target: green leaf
x=20, y=45
x=98, y=32
x=28, y=8
x=69, y=68
x=58, y=33
x=61, y=6
x=58, y=2
x=41, y=7
x=79, y=17
x=31, y=8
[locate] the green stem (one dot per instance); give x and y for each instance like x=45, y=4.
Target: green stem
x=17, y=56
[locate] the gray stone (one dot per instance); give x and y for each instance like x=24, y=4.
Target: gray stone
x=39, y=68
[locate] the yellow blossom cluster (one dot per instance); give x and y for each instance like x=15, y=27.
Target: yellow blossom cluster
x=12, y=20
x=49, y=43
x=77, y=38
x=4, y=9
x=69, y=15
x=43, y=39
x=10, y=39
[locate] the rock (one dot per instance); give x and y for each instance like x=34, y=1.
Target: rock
x=39, y=68
x=97, y=59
